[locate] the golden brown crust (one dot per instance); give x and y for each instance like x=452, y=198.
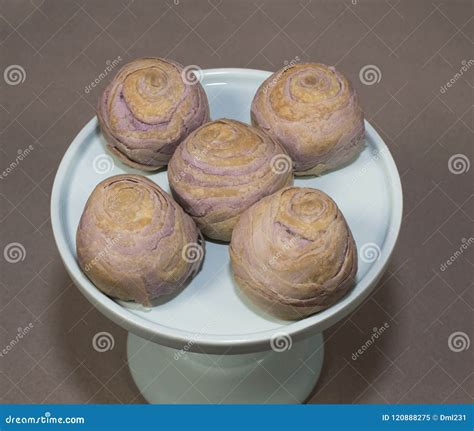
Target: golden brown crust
x=132, y=238
x=314, y=112
x=223, y=168
x=293, y=253
x=148, y=109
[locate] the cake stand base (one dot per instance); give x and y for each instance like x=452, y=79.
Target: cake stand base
x=166, y=376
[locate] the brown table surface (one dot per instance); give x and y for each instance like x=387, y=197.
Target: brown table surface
x=418, y=47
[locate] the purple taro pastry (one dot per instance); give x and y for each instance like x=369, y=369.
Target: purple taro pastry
x=293, y=253
x=221, y=169
x=134, y=242
x=148, y=109
x=313, y=112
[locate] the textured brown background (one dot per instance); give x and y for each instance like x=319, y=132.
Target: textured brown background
x=418, y=46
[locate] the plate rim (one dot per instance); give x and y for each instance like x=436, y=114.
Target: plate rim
x=209, y=343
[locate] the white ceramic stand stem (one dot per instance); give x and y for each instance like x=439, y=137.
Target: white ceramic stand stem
x=165, y=375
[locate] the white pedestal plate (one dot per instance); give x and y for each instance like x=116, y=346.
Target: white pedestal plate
x=208, y=343
x=166, y=375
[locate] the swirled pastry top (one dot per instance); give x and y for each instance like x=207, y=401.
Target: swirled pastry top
x=313, y=111
x=131, y=237
x=224, y=167
x=294, y=248
x=148, y=108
